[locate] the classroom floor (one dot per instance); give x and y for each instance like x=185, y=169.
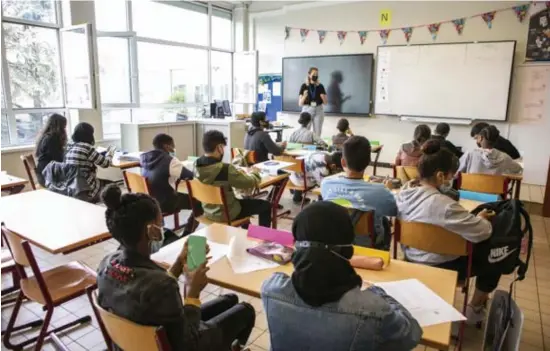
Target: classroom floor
x=532, y=295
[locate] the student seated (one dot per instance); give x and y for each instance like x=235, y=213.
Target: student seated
x=211, y=170
x=321, y=306
x=486, y=158
x=318, y=165
x=50, y=145
x=441, y=133
x=410, y=153
x=422, y=201
x=163, y=170
x=82, y=154
x=134, y=287
x=344, y=132
x=259, y=141
x=502, y=144
x=362, y=195
x=304, y=135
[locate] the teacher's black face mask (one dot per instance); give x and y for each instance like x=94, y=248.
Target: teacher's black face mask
x=314, y=78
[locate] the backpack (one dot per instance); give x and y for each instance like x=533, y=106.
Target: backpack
x=511, y=223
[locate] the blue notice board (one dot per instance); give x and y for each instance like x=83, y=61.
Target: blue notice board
x=269, y=95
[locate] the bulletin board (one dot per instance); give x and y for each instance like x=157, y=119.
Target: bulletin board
x=269, y=95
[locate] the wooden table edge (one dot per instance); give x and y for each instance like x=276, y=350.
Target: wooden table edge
x=14, y=184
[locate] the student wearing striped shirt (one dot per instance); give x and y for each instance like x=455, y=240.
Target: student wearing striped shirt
x=82, y=154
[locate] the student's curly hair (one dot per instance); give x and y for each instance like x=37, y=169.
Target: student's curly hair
x=127, y=215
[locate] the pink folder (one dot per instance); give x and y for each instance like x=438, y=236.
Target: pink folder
x=277, y=236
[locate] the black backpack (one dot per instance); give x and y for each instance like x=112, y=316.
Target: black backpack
x=510, y=225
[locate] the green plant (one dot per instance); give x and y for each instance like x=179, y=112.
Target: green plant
x=177, y=97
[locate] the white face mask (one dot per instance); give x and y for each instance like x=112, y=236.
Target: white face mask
x=173, y=153
x=155, y=240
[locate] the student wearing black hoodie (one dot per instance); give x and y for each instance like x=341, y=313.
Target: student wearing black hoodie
x=259, y=141
x=501, y=144
x=163, y=170
x=441, y=132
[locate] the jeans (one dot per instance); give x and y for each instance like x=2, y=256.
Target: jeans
x=235, y=320
x=258, y=207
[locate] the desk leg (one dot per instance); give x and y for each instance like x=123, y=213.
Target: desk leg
x=278, y=191
x=517, y=189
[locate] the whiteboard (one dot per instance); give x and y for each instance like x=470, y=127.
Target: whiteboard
x=462, y=80
x=245, y=77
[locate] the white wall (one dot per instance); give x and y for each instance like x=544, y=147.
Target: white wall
x=268, y=39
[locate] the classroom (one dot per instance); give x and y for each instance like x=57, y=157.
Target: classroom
x=275, y=175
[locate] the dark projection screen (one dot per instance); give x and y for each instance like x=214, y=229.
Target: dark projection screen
x=347, y=80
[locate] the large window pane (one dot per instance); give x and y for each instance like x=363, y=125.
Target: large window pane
x=5, y=130
x=42, y=11
x=112, y=120
x=110, y=15
x=172, y=74
x=221, y=30
x=171, y=21
x=77, y=71
x=28, y=126
x=114, y=70
x=33, y=61
x=221, y=75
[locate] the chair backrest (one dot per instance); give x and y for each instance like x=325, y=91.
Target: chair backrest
x=484, y=183
x=250, y=156
x=430, y=238
x=207, y=194
x=136, y=183
x=495, y=331
x=30, y=168
x=405, y=173
x=364, y=225
x=15, y=244
x=128, y=335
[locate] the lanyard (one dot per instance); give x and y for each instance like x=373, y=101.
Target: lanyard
x=312, y=91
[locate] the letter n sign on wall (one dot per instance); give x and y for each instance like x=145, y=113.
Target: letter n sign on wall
x=385, y=18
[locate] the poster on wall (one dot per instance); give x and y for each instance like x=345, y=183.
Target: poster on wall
x=538, y=37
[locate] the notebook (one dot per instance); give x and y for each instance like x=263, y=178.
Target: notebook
x=273, y=252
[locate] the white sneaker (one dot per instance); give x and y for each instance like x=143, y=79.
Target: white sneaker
x=475, y=315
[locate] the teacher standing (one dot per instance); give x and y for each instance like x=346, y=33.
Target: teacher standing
x=312, y=98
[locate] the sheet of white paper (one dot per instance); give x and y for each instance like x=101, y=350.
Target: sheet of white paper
x=276, y=88
x=423, y=304
x=243, y=262
x=169, y=253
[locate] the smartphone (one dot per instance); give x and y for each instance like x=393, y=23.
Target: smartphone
x=196, y=254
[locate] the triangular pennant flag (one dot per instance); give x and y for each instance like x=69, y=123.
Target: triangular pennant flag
x=459, y=25
x=434, y=29
x=408, y=31
x=521, y=11
x=322, y=35
x=342, y=36
x=303, y=33
x=287, y=32
x=488, y=17
x=362, y=36
x=384, y=35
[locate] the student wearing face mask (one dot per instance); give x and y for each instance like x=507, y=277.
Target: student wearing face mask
x=163, y=171
x=325, y=287
x=134, y=287
x=422, y=201
x=312, y=98
x=259, y=141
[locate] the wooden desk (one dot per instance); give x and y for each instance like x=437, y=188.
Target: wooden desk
x=442, y=282
x=53, y=222
x=124, y=164
x=298, y=152
x=11, y=183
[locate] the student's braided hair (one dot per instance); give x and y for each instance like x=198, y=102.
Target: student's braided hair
x=128, y=214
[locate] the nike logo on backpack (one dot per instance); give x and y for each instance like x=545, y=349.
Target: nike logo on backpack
x=499, y=254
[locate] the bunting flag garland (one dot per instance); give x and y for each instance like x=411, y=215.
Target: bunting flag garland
x=459, y=25
x=362, y=36
x=384, y=35
x=434, y=29
x=287, y=32
x=322, y=35
x=303, y=33
x=342, y=36
x=521, y=11
x=488, y=17
x=408, y=31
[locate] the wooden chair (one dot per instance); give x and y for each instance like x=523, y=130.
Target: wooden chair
x=378, y=151
x=365, y=225
x=126, y=334
x=250, y=157
x=484, y=183
x=298, y=166
x=405, y=173
x=50, y=288
x=30, y=168
x=136, y=183
x=8, y=267
x=432, y=238
x=211, y=195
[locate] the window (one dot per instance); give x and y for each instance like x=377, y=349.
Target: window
x=40, y=11
x=78, y=71
x=111, y=15
x=28, y=126
x=221, y=75
x=174, y=21
x=112, y=120
x=114, y=70
x=5, y=130
x=172, y=74
x=222, y=29
x=32, y=54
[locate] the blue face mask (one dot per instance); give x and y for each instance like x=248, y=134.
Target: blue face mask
x=157, y=239
x=173, y=153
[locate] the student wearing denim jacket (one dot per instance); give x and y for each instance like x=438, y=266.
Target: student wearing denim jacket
x=322, y=306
